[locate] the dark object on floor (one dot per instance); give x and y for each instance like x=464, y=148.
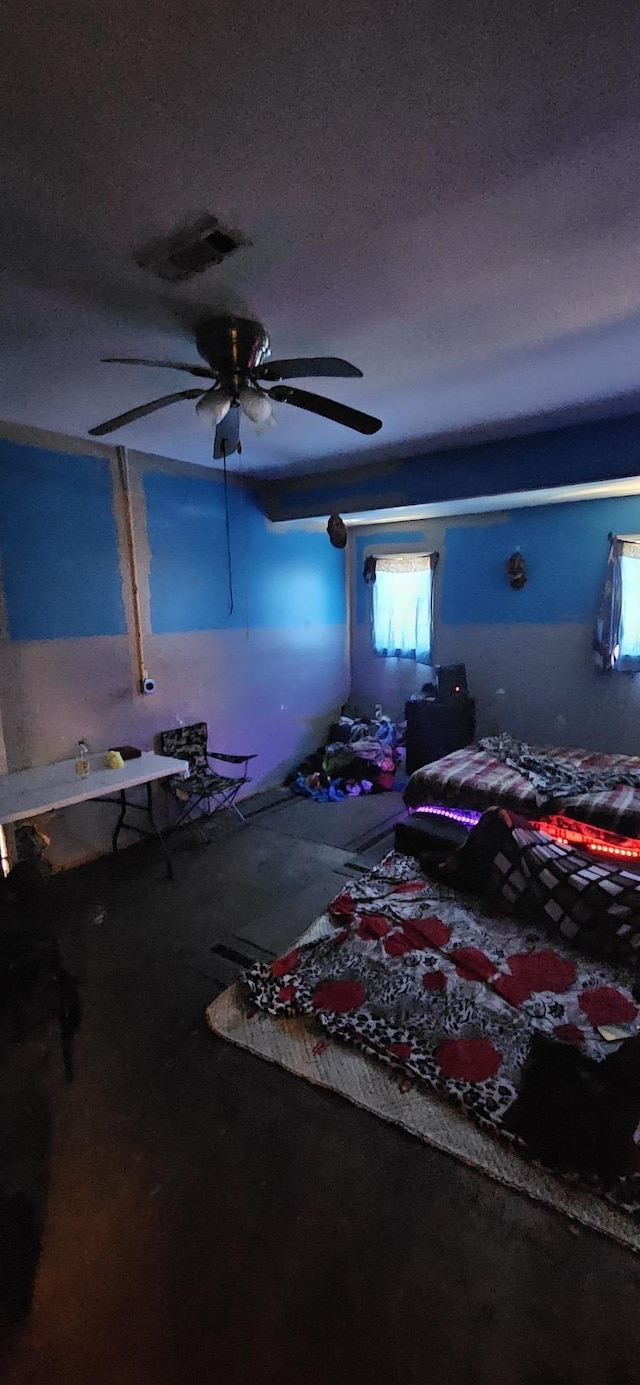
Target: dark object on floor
x=204, y=791
x=311, y=765
x=470, y=867
x=340, y=731
x=30, y=961
x=69, y=1014
x=578, y=1114
x=425, y=832
x=436, y=728
x=19, y=1259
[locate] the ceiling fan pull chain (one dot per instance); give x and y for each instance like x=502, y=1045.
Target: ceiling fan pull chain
x=227, y=526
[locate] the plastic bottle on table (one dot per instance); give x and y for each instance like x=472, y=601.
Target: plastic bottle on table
x=83, y=764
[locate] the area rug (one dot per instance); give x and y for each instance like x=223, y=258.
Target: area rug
x=297, y=1044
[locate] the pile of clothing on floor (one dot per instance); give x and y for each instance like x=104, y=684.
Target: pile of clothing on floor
x=361, y=756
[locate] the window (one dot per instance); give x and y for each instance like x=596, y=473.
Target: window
x=402, y=606
x=616, y=637
x=629, y=635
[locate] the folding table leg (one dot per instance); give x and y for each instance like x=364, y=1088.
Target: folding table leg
x=147, y=809
x=121, y=817
x=158, y=832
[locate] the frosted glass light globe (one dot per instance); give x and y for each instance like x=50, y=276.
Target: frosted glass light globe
x=213, y=407
x=256, y=406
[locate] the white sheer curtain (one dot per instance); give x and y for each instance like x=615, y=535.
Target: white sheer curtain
x=402, y=606
x=630, y=605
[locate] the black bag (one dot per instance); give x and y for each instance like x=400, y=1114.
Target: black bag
x=578, y=1114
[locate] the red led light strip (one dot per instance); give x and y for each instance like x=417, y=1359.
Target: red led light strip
x=565, y=831
x=569, y=832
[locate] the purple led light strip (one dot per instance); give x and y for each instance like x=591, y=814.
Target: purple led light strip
x=467, y=816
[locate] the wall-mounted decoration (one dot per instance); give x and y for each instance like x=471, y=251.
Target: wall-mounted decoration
x=337, y=531
x=516, y=571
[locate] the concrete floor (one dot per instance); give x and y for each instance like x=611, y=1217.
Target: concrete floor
x=206, y=1217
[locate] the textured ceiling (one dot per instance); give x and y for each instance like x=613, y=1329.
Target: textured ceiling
x=446, y=194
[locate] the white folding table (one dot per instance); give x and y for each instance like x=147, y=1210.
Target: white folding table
x=28, y=793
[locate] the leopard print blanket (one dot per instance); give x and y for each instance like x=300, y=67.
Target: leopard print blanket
x=423, y=979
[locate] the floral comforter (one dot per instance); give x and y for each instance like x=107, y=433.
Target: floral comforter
x=419, y=978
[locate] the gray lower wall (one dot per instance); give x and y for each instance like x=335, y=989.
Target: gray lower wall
x=537, y=681
x=269, y=692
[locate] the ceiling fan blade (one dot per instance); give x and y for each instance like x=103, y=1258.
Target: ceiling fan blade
x=297, y=368
x=227, y=434
x=201, y=370
x=132, y=414
x=327, y=408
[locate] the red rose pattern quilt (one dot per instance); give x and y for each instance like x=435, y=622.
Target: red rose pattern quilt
x=420, y=979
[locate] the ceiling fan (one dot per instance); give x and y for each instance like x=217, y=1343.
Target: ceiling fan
x=237, y=351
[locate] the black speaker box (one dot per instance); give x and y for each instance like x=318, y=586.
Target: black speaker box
x=451, y=682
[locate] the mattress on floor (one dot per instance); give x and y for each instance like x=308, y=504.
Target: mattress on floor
x=440, y=985
x=473, y=778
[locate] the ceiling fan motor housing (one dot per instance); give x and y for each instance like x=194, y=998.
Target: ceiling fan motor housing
x=232, y=346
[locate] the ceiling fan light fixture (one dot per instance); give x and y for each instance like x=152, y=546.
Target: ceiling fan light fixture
x=256, y=406
x=213, y=407
x=235, y=350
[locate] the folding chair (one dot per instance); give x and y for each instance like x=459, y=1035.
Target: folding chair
x=204, y=790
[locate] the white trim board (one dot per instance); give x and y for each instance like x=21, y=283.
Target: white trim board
x=481, y=504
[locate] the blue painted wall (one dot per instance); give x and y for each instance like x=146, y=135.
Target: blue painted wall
x=58, y=545
x=564, y=456
x=565, y=548
x=280, y=580
x=60, y=566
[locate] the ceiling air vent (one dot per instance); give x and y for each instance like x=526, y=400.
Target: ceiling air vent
x=190, y=251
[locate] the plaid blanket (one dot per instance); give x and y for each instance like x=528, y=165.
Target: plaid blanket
x=552, y=777
x=592, y=904
x=475, y=778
